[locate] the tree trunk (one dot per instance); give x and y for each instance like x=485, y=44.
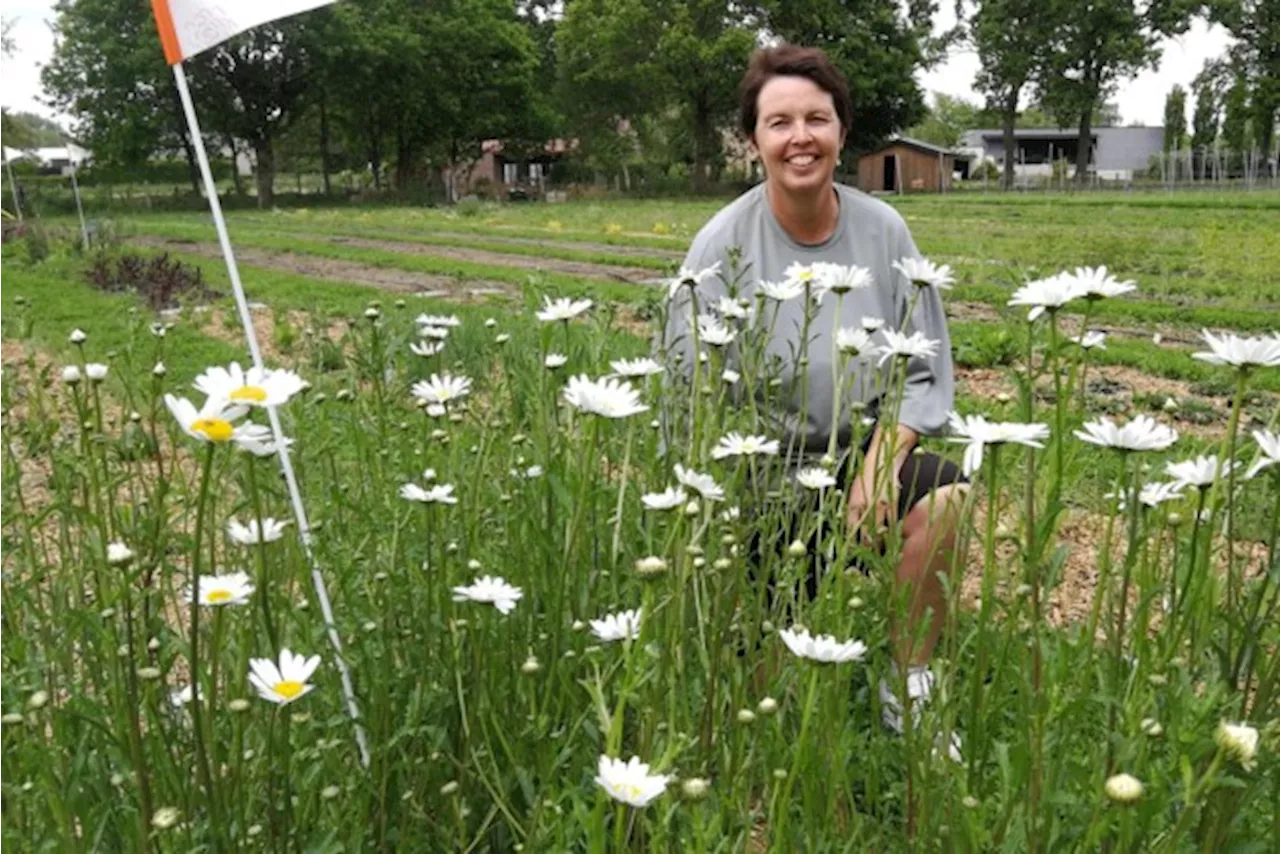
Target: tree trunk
x=1008, y=118
x=324, y=144
x=265, y=172
x=188, y=147
x=702, y=131
x=235, y=167
x=1083, y=145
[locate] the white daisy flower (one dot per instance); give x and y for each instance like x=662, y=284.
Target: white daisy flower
x=502, y=338
x=711, y=330
x=231, y=589
x=263, y=444
x=1152, y=494
x=731, y=514
x=1096, y=283
x=213, y=422
x=490, y=322
x=441, y=388
x=624, y=625
x=442, y=494
x=492, y=590
x=183, y=696
x=872, y=324
x=1143, y=433
x=1268, y=451
x=907, y=346
x=978, y=433
x=840, y=279
x=630, y=782
x=781, y=291
x=426, y=349
x=730, y=376
x=1200, y=472
x=435, y=333
x=1243, y=353
x=1048, y=294
x=854, y=342
x=254, y=387
x=159, y=369
x=815, y=478
x=248, y=535
x=554, y=360
x=1091, y=340
x=738, y=445
x=730, y=308
x=923, y=273
x=158, y=330
x=804, y=276
x=562, y=309
x=118, y=554
x=635, y=367
x=71, y=374
x=77, y=336
x=1240, y=742
x=823, y=648
x=669, y=499
x=285, y=683
x=690, y=278
x=95, y=371
x=607, y=397
x=442, y=321
x=704, y=484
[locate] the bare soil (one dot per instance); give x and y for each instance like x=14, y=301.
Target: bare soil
x=628, y=251
x=336, y=270
x=969, y=312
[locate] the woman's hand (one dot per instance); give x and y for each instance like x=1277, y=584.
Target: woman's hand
x=873, y=502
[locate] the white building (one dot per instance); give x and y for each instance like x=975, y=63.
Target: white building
x=1115, y=154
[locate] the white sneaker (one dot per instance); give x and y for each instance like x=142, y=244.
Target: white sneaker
x=919, y=687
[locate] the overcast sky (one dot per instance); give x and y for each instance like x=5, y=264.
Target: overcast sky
x=1141, y=99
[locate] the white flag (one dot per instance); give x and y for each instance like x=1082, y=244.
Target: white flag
x=188, y=27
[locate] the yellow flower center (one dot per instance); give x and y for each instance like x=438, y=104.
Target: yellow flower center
x=289, y=689
x=257, y=394
x=631, y=790
x=218, y=596
x=215, y=429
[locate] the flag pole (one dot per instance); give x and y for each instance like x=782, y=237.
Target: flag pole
x=282, y=450
x=75, y=188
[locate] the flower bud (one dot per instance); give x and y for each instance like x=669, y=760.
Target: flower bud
x=691, y=509
x=1152, y=727
x=328, y=793
x=38, y=700
x=77, y=336
x=652, y=565
x=1123, y=788
x=449, y=788
x=165, y=818
x=1240, y=742
x=531, y=665
x=695, y=788
x=767, y=706
x=746, y=716
x=797, y=548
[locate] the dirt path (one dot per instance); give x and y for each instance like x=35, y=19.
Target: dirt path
x=632, y=275
x=969, y=312
x=332, y=269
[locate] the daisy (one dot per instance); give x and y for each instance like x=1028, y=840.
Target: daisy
x=1048, y=294
x=554, y=360
x=1143, y=433
x=442, y=388
x=213, y=422
x=1153, y=494
x=232, y=589
x=690, y=279
x=442, y=494
x=624, y=625
x=781, y=291
x=1242, y=353
x=247, y=535
x=907, y=346
x=728, y=307
x=255, y=387
x=669, y=499
x=630, y=782
x=635, y=367
x=438, y=320
x=853, y=342
x=71, y=374
x=923, y=273
x=1200, y=472
x=426, y=348
x=183, y=696
x=263, y=445
x=492, y=590
x=823, y=648
x=1091, y=340
x=286, y=683
x=95, y=371
x=562, y=309
x=872, y=324
x=815, y=478
x=77, y=336
x=1240, y=742
x=435, y=333
x=737, y=445
x=803, y=276
x=840, y=279
x=607, y=397
x=118, y=554
x=730, y=376
x=1268, y=451
x=978, y=433
x=1096, y=283
x=703, y=483
x=711, y=330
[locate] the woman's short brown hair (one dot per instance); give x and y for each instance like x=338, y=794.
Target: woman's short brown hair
x=794, y=61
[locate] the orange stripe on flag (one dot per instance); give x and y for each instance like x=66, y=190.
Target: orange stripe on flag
x=168, y=35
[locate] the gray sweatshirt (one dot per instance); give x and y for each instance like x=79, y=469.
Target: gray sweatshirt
x=869, y=234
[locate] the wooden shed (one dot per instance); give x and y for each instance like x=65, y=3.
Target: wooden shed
x=906, y=165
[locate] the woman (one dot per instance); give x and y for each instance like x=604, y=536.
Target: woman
x=796, y=113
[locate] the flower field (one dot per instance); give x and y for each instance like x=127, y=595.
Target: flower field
x=548, y=589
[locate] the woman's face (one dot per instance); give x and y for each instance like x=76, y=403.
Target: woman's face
x=798, y=135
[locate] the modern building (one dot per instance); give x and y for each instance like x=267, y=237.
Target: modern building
x=1115, y=153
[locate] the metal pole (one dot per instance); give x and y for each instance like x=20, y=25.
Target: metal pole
x=75, y=189
x=299, y=513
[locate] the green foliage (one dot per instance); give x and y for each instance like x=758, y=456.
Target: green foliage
x=1175, y=119
x=27, y=130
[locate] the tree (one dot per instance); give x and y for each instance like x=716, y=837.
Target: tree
x=946, y=121
x=878, y=49
x=1009, y=37
x=1095, y=45
x=1175, y=119
x=1255, y=24
x=1235, y=117
x=1204, y=121
x=27, y=130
